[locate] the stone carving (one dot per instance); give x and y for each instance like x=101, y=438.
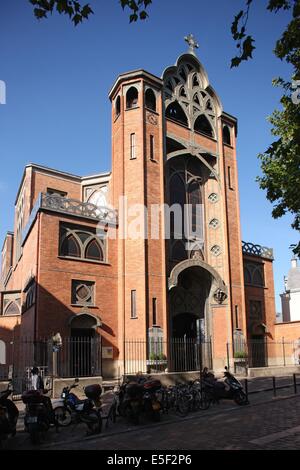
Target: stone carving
x=152, y=119
x=220, y=296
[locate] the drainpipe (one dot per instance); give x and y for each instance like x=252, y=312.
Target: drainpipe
x=36, y=283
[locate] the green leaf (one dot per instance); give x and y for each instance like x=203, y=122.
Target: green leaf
x=133, y=17
x=39, y=13
x=235, y=62
x=143, y=15
x=77, y=19
x=234, y=26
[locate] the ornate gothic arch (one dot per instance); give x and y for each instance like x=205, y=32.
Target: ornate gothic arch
x=219, y=288
x=186, y=85
x=195, y=152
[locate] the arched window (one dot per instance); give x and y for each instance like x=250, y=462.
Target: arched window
x=174, y=111
x=12, y=309
x=118, y=106
x=195, y=81
x=132, y=97
x=83, y=243
x=150, y=99
x=177, y=190
x=226, y=135
x=258, y=277
x=70, y=247
x=202, y=125
x=194, y=199
x=94, y=251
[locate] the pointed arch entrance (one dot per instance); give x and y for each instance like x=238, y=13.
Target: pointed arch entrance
x=193, y=287
x=85, y=345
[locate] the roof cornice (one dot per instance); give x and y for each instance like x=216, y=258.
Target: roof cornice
x=140, y=73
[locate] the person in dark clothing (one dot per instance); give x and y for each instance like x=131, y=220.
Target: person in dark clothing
x=37, y=383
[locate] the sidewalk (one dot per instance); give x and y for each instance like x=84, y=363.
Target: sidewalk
x=67, y=437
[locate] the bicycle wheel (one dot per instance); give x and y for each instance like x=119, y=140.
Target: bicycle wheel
x=182, y=407
x=204, y=401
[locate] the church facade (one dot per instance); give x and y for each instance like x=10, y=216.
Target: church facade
x=76, y=262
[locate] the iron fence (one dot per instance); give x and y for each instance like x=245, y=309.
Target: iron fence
x=264, y=353
x=173, y=355
x=76, y=357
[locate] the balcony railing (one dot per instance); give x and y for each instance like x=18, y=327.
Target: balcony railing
x=78, y=208
x=74, y=207
x=257, y=250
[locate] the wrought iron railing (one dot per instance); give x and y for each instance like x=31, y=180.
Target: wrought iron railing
x=172, y=355
x=75, y=207
x=257, y=250
x=78, y=208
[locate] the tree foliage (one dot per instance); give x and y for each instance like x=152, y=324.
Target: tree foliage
x=76, y=12
x=280, y=163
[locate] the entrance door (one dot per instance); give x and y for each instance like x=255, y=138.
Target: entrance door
x=81, y=351
x=258, y=351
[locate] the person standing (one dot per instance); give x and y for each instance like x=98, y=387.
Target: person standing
x=37, y=382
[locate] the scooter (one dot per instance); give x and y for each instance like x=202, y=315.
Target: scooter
x=70, y=409
x=38, y=415
x=217, y=390
x=136, y=397
x=9, y=414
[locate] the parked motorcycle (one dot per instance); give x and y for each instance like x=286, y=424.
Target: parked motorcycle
x=9, y=414
x=139, y=396
x=71, y=409
x=38, y=414
x=230, y=389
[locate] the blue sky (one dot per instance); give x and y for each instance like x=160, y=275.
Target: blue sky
x=58, y=78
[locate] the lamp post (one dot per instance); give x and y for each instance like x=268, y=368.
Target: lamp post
x=56, y=345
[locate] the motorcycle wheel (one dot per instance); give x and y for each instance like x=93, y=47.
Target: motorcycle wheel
x=95, y=427
x=241, y=398
x=63, y=416
x=34, y=434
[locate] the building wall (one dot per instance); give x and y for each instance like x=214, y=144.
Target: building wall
x=264, y=294
x=295, y=306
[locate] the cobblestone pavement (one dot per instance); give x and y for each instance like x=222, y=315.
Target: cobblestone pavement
x=272, y=425
x=268, y=423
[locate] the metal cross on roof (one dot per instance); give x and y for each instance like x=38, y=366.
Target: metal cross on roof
x=192, y=43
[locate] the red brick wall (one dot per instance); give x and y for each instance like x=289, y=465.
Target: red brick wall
x=55, y=277
x=264, y=294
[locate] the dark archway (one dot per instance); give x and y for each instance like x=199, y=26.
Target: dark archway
x=175, y=112
x=132, y=97
x=202, y=125
x=190, y=321
x=185, y=326
x=83, y=332
x=150, y=99
x=118, y=106
x=226, y=135
x=188, y=303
